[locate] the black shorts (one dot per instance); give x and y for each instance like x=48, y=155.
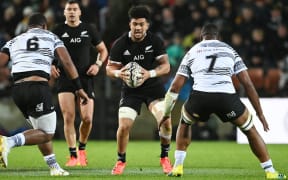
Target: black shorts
x=135, y=101
x=65, y=85
x=33, y=98
x=201, y=105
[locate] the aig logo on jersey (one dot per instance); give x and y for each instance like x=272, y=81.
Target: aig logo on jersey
x=138, y=57
x=75, y=40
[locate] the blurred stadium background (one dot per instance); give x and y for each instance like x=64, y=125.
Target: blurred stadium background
x=257, y=29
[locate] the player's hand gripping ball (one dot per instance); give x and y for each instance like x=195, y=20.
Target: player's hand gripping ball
x=135, y=75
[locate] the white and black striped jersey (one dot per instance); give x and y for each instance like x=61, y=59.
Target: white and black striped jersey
x=211, y=63
x=32, y=51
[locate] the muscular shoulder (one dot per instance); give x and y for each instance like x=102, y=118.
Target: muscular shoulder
x=153, y=37
x=59, y=28
x=122, y=41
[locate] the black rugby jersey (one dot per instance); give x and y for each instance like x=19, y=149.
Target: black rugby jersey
x=124, y=50
x=78, y=41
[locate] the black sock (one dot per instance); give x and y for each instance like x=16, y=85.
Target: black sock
x=73, y=152
x=164, y=150
x=82, y=146
x=122, y=157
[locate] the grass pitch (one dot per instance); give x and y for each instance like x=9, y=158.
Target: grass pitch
x=205, y=160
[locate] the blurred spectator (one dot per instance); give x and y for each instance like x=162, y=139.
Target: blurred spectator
x=261, y=12
x=192, y=38
x=157, y=8
x=275, y=18
x=167, y=26
x=9, y=21
x=236, y=41
x=181, y=12
x=175, y=52
x=58, y=9
x=237, y=20
x=22, y=26
x=191, y=22
x=257, y=52
x=213, y=16
x=278, y=45
x=245, y=22
x=89, y=10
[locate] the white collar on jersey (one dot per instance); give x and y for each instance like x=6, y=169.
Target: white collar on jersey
x=129, y=34
x=67, y=22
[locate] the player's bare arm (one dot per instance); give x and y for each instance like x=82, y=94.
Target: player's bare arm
x=101, y=58
x=171, y=97
x=71, y=71
x=3, y=59
x=3, y=71
x=115, y=70
x=55, y=72
x=164, y=67
x=253, y=97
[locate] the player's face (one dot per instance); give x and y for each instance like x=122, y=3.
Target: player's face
x=138, y=28
x=72, y=13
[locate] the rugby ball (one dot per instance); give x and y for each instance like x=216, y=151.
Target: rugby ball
x=135, y=76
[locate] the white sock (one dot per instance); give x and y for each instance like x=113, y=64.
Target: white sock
x=51, y=161
x=268, y=166
x=179, y=157
x=16, y=140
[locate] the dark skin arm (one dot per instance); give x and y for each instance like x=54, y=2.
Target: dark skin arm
x=70, y=70
x=253, y=97
x=4, y=71
x=3, y=59
x=175, y=87
x=162, y=69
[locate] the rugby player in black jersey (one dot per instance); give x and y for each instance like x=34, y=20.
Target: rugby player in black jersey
x=32, y=54
x=78, y=37
x=141, y=46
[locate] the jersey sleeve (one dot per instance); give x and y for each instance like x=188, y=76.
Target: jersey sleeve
x=158, y=46
x=116, y=52
x=239, y=63
x=95, y=36
x=56, y=29
x=5, y=48
x=57, y=42
x=184, y=68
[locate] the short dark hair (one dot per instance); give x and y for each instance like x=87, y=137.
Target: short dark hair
x=139, y=11
x=73, y=1
x=209, y=29
x=37, y=19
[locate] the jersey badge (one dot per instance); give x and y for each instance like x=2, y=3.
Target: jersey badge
x=148, y=49
x=65, y=35
x=127, y=53
x=84, y=34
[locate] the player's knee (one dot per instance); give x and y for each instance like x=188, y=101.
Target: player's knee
x=186, y=118
x=158, y=108
x=248, y=124
x=67, y=116
x=127, y=112
x=50, y=137
x=46, y=123
x=165, y=132
x=87, y=120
